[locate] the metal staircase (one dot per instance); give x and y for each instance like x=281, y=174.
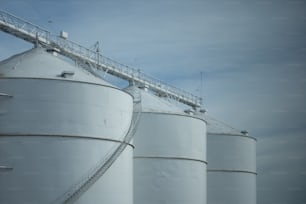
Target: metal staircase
x=79, y=188
x=37, y=35
x=89, y=58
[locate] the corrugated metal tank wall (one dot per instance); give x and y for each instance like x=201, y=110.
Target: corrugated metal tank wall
x=170, y=155
x=57, y=122
x=231, y=156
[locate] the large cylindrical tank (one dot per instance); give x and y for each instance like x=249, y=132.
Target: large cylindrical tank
x=57, y=124
x=170, y=154
x=231, y=171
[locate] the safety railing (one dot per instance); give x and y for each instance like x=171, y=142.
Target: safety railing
x=35, y=34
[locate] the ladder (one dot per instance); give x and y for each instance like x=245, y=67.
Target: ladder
x=37, y=35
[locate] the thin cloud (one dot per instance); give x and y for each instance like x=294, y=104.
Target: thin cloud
x=252, y=55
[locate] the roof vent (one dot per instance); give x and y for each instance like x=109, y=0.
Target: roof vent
x=203, y=110
x=144, y=87
x=66, y=74
x=244, y=132
x=53, y=50
x=189, y=111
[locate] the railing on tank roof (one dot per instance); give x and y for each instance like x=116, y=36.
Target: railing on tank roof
x=35, y=34
x=22, y=28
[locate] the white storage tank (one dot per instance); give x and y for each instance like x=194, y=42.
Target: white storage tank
x=170, y=154
x=231, y=171
x=57, y=124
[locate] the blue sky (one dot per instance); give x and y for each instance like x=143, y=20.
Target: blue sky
x=252, y=55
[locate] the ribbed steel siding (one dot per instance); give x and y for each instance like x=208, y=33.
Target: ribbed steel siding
x=53, y=132
x=170, y=159
x=231, y=176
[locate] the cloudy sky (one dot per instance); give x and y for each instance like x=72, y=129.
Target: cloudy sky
x=252, y=55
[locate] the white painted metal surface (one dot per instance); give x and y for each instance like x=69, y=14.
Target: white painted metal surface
x=54, y=130
x=39, y=64
x=231, y=156
x=34, y=34
x=170, y=155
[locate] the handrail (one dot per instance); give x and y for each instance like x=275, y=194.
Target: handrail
x=35, y=34
x=78, y=189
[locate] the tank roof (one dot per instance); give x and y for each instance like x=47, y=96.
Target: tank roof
x=153, y=103
x=215, y=126
x=38, y=63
